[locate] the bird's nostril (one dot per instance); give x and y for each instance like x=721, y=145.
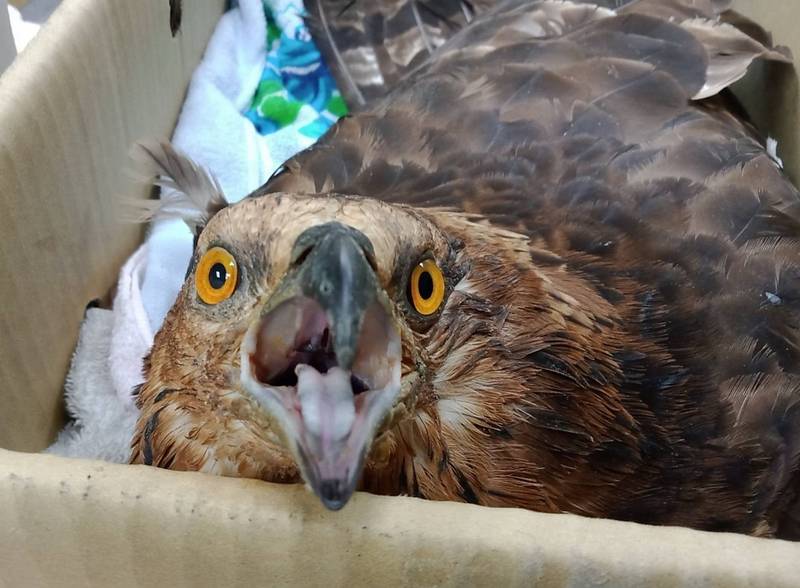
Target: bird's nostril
x=369, y=254
x=302, y=255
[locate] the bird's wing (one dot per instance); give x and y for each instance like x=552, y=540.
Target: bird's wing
x=577, y=125
x=370, y=45
x=523, y=73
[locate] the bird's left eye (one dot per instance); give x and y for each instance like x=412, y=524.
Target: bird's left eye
x=426, y=287
x=216, y=276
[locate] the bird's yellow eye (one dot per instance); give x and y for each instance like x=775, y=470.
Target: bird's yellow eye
x=427, y=287
x=216, y=276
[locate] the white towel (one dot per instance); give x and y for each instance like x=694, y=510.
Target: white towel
x=131, y=335
x=103, y=425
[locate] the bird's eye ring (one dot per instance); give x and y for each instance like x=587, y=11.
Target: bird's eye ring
x=216, y=276
x=426, y=287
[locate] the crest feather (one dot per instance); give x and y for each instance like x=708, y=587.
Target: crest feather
x=188, y=191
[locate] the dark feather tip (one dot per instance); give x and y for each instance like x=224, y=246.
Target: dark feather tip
x=175, y=16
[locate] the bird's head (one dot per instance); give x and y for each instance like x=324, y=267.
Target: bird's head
x=326, y=313
x=334, y=296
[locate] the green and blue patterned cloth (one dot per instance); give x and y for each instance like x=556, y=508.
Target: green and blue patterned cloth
x=296, y=87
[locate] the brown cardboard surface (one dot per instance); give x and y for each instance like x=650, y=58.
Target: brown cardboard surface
x=80, y=523
x=100, y=75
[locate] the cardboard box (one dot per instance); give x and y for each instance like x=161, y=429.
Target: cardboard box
x=100, y=75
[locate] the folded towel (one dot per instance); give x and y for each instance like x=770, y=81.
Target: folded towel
x=261, y=94
x=102, y=427
x=131, y=334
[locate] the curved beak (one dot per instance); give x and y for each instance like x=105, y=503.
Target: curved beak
x=324, y=358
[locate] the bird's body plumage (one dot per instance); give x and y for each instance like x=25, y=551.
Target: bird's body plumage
x=621, y=336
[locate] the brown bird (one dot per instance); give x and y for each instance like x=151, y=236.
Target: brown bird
x=550, y=269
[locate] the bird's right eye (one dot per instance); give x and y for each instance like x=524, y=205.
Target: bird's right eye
x=216, y=276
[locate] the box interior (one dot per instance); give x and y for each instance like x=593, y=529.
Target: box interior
x=99, y=76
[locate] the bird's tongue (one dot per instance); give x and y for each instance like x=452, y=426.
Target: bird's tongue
x=335, y=428
x=327, y=404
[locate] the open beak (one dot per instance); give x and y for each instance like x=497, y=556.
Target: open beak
x=324, y=358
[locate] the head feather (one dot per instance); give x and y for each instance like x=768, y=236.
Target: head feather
x=188, y=191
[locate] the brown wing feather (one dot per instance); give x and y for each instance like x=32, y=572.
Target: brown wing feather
x=370, y=45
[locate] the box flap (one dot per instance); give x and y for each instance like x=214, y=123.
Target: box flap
x=82, y=523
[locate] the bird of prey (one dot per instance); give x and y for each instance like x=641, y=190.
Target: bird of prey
x=550, y=267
